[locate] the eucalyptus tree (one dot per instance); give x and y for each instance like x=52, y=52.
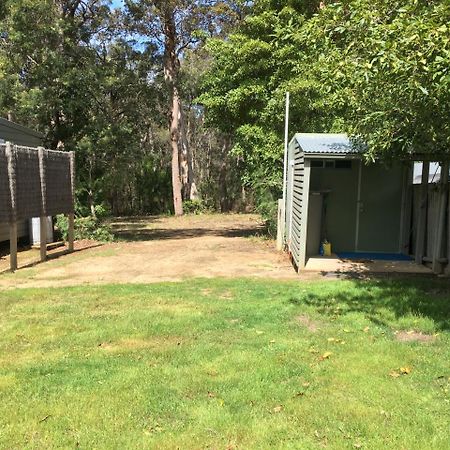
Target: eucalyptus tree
x=175, y=26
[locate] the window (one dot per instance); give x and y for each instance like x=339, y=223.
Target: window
x=331, y=164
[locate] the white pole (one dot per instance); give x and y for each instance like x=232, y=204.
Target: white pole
x=285, y=171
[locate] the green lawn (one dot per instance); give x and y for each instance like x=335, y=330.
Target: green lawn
x=226, y=364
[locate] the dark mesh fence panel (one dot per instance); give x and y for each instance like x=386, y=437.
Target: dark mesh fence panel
x=28, y=183
x=57, y=178
x=5, y=200
x=59, y=191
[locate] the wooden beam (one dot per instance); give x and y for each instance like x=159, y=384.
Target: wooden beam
x=11, y=157
x=71, y=216
x=71, y=231
x=43, y=217
x=422, y=221
x=439, y=240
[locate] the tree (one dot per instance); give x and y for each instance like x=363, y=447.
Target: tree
x=389, y=61
x=176, y=26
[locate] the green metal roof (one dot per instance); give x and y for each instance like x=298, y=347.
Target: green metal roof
x=325, y=144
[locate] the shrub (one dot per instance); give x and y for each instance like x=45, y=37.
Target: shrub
x=85, y=228
x=195, y=207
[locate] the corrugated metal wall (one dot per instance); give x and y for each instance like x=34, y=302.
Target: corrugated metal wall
x=296, y=172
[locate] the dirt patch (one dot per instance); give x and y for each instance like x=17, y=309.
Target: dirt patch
x=413, y=336
x=227, y=295
x=125, y=345
x=161, y=249
x=305, y=321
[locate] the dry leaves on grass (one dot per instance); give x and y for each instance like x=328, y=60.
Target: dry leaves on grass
x=399, y=372
x=326, y=355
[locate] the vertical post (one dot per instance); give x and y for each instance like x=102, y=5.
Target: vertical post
x=11, y=157
x=43, y=216
x=439, y=240
x=405, y=214
x=285, y=166
x=71, y=214
x=358, y=205
x=422, y=222
x=304, y=220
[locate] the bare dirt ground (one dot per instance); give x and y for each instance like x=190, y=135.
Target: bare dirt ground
x=154, y=249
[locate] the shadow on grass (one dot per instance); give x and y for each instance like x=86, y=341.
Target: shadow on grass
x=419, y=296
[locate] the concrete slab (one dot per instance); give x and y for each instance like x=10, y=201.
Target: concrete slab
x=337, y=265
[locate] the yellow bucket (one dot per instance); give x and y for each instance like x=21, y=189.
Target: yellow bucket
x=326, y=248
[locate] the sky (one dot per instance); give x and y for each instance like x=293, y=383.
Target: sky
x=117, y=3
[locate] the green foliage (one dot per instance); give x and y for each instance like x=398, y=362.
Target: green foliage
x=378, y=70
x=389, y=62
x=85, y=228
x=195, y=207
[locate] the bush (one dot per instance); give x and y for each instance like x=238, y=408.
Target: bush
x=85, y=228
x=195, y=207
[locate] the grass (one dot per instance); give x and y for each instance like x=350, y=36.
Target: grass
x=226, y=364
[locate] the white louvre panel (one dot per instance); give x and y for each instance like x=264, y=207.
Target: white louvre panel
x=294, y=200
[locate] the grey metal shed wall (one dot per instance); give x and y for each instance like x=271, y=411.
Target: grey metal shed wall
x=18, y=134
x=294, y=213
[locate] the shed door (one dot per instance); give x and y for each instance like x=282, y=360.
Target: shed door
x=379, y=209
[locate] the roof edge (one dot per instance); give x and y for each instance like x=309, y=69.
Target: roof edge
x=21, y=128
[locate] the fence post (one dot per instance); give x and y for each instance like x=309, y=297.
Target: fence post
x=71, y=215
x=43, y=217
x=11, y=157
x=422, y=222
x=439, y=240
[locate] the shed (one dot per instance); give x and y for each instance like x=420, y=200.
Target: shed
x=19, y=135
x=361, y=209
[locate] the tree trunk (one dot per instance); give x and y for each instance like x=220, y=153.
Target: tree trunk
x=174, y=133
x=187, y=160
x=171, y=69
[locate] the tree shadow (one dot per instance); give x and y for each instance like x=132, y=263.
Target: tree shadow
x=421, y=296
x=145, y=234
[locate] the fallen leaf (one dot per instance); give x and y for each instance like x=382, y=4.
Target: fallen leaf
x=306, y=384
x=394, y=374
x=299, y=394
x=346, y=330
x=357, y=445
x=326, y=355
x=405, y=370
x=272, y=341
x=211, y=394
x=259, y=332
x=332, y=339
x=366, y=330
x=278, y=409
